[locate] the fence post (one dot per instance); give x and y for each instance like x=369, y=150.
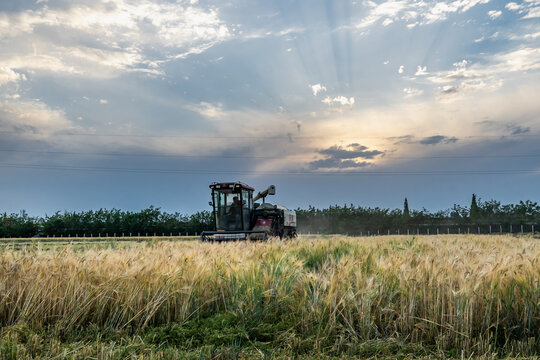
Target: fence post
x=368, y=233
x=408, y=232
x=511, y=228
x=459, y=230
x=388, y=232
x=428, y=231
x=448, y=231
x=417, y=231
x=378, y=232
x=500, y=229
x=490, y=229
x=437, y=231
x=479, y=229
x=522, y=228
x=468, y=230
x=533, y=229
x=398, y=231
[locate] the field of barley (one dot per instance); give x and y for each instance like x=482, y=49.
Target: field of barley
x=445, y=296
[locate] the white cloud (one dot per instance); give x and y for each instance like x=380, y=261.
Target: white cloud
x=341, y=100
x=7, y=75
x=103, y=101
x=101, y=38
x=421, y=71
x=512, y=6
x=386, y=62
x=485, y=76
x=32, y=117
x=208, y=110
x=401, y=69
x=533, y=13
x=411, y=92
x=414, y=12
x=529, y=37
x=317, y=88
x=494, y=14
x=387, y=10
x=530, y=8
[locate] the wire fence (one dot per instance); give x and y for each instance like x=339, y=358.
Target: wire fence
x=434, y=229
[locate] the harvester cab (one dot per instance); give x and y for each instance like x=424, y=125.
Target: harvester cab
x=238, y=217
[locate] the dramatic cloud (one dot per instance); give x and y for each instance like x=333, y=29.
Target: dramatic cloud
x=99, y=38
x=350, y=156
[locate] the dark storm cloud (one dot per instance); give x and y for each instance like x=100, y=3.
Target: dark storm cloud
x=353, y=151
x=518, y=130
x=331, y=163
x=344, y=157
x=449, y=90
x=430, y=140
x=438, y=139
x=505, y=128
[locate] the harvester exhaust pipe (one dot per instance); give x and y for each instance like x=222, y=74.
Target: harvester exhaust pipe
x=271, y=190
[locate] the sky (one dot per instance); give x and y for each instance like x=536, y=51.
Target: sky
x=130, y=103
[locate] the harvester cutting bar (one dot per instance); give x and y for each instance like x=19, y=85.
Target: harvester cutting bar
x=234, y=235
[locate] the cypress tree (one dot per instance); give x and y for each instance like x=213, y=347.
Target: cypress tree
x=474, y=211
x=406, y=212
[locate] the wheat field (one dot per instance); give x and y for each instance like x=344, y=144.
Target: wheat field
x=326, y=296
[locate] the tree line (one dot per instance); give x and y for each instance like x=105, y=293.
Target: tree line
x=357, y=220
x=349, y=219
x=102, y=222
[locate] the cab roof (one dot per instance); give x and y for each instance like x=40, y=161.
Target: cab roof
x=231, y=185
